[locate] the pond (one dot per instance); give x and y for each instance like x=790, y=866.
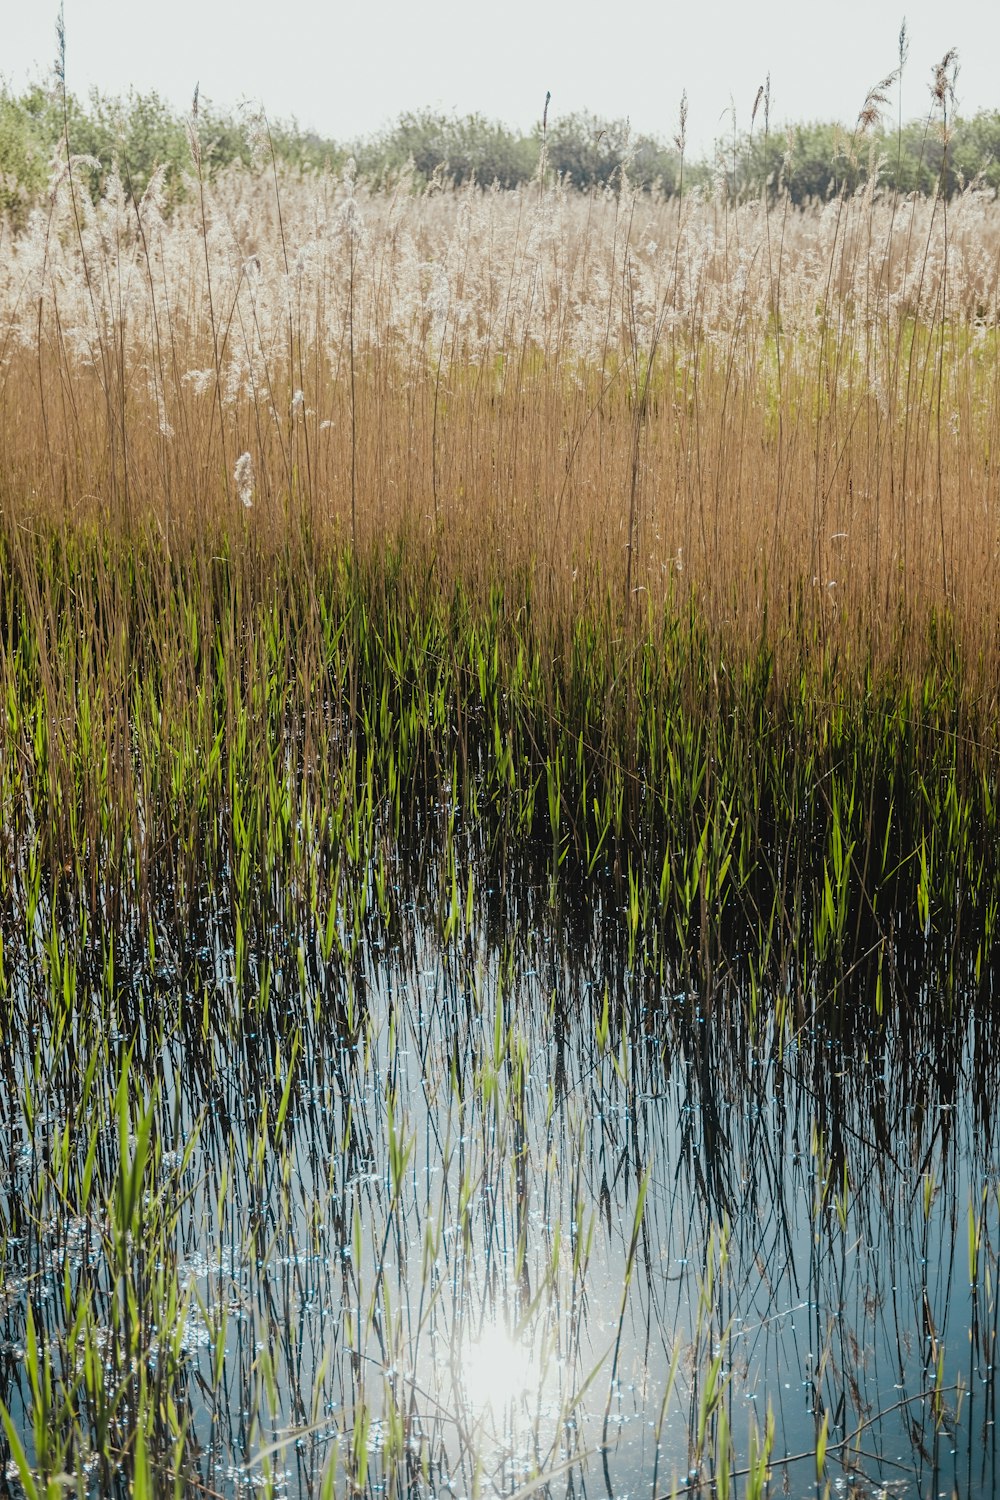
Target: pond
x=499, y=1211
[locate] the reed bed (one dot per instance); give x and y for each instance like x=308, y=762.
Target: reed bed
x=664, y=532
x=404, y=596
x=758, y=401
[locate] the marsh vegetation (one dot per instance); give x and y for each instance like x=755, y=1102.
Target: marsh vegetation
x=498, y=841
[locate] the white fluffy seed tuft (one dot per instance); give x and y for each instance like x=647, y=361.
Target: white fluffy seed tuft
x=243, y=475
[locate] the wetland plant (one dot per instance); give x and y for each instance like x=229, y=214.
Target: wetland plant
x=498, y=841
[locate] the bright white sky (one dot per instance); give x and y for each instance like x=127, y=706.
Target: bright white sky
x=348, y=67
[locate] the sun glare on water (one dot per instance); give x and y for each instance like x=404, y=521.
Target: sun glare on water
x=498, y=1370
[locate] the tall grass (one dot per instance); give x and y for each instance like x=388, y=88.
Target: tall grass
x=761, y=402
x=382, y=576
x=673, y=523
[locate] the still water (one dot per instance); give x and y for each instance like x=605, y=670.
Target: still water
x=519, y=1213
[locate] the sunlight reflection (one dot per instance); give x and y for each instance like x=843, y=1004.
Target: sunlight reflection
x=498, y=1370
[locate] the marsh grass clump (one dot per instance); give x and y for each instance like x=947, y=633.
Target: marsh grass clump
x=498, y=828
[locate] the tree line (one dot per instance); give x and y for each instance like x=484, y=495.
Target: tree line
x=806, y=163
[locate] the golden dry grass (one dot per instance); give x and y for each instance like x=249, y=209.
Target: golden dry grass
x=765, y=404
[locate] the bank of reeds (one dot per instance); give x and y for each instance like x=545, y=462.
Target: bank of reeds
x=756, y=400
x=382, y=574
x=664, y=534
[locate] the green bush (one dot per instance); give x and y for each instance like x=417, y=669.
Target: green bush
x=590, y=152
x=813, y=161
x=465, y=149
x=137, y=134
x=817, y=160
x=24, y=158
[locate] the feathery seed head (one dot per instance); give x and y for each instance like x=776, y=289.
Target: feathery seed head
x=680, y=139
x=756, y=105
x=244, y=477
x=945, y=73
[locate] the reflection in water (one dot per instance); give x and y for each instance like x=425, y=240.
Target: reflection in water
x=456, y=1217
x=499, y=1370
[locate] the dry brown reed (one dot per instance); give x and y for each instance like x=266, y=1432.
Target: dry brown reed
x=777, y=408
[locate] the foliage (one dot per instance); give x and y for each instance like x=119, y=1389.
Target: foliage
x=469, y=149
x=24, y=152
x=137, y=134
x=808, y=162
x=590, y=152
x=304, y=150
x=812, y=162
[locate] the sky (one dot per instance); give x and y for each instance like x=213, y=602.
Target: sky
x=347, y=70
